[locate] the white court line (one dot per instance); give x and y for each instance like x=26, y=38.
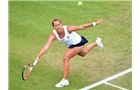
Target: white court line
x=107, y=79
x=116, y=86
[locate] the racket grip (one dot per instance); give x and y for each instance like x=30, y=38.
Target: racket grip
x=35, y=63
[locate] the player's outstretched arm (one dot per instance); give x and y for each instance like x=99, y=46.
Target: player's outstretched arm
x=46, y=47
x=84, y=26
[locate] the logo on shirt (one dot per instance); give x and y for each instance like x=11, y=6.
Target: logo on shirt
x=68, y=37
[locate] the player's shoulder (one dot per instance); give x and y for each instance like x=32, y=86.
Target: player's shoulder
x=52, y=36
x=65, y=26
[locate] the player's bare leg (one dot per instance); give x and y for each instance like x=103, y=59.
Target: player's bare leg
x=70, y=53
x=85, y=50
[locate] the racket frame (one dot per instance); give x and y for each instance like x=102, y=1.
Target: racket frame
x=29, y=72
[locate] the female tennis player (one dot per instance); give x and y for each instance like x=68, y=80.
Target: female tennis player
x=74, y=42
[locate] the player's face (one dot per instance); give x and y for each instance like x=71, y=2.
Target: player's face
x=57, y=26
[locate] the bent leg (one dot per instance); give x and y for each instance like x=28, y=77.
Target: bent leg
x=86, y=49
x=70, y=53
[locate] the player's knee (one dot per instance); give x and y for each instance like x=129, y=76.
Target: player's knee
x=83, y=55
x=65, y=58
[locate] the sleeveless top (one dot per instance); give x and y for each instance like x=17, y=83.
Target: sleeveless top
x=70, y=38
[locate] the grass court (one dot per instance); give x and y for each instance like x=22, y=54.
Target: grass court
x=29, y=24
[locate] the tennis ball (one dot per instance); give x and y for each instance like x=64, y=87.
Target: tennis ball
x=80, y=3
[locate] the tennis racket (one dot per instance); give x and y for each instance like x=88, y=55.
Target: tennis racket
x=26, y=70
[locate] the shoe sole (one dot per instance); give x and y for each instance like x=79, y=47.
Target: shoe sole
x=62, y=86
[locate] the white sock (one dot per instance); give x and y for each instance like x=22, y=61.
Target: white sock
x=65, y=79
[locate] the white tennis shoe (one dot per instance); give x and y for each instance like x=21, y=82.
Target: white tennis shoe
x=62, y=83
x=99, y=43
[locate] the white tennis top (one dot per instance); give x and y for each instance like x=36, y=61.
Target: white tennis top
x=69, y=38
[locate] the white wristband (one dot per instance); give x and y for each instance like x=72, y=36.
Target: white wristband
x=94, y=23
x=35, y=63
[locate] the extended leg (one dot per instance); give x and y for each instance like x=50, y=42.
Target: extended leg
x=70, y=53
x=85, y=50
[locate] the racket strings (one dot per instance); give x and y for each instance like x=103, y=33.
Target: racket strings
x=27, y=71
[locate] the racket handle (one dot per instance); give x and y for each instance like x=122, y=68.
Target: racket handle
x=35, y=63
x=30, y=69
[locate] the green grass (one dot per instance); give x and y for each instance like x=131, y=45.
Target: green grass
x=30, y=26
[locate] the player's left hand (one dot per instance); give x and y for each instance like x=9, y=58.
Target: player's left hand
x=99, y=21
